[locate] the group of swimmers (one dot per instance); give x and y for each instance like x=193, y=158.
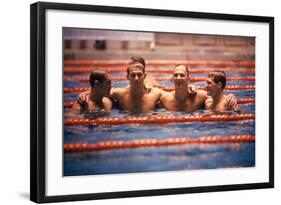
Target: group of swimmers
x=142, y=97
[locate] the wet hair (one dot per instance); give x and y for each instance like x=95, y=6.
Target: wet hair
x=135, y=60
x=99, y=76
x=218, y=76
x=139, y=60
x=186, y=68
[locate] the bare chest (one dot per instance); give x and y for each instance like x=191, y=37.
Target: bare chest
x=188, y=105
x=145, y=103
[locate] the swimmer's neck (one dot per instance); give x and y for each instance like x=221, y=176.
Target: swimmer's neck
x=181, y=94
x=96, y=98
x=138, y=91
x=217, y=98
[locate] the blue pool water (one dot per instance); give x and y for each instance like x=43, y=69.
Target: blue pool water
x=168, y=158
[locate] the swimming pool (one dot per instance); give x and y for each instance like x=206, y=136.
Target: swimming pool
x=160, y=158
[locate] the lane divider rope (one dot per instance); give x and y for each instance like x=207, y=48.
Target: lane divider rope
x=239, y=101
x=159, y=119
x=107, y=145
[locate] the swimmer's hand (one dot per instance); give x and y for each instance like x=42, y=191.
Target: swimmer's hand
x=231, y=102
x=192, y=89
x=83, y=98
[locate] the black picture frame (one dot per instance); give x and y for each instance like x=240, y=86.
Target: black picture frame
x=38, y=100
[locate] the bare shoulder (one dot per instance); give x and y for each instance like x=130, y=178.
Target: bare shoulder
x=155, y=90
x=167, y=95
x=202, y=94
x=107, y=104
x=118, y=91
x=106, y=100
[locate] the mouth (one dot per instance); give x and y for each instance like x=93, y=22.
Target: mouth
x=179, y=83
x=137, y=83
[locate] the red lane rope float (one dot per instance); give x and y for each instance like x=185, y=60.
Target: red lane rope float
x=193, y=79
x=192, y=70
x=231, y=87
x=107, y=145
x=159, y=119
x=245, y=100
x=239, y=101
x=157, y=63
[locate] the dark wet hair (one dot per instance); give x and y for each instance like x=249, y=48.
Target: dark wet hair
x=135, y=60
x=186, y=67
x=218, y=76
x=138, y=59
x=99, y=76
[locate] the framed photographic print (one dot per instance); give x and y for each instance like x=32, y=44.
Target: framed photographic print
x=129, y=102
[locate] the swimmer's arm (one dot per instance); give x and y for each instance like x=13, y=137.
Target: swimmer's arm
x=76, y=109
x=115, y=92
x=204, y=99
x=208, y=103
x=83, y=98
x=163, y=97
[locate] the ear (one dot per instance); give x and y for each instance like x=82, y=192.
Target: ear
x=219, y=84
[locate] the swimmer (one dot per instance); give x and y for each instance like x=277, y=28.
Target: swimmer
x=184, y=98
x=217, y=101
x=97, y=97
x=149, y=81
x=137, y=97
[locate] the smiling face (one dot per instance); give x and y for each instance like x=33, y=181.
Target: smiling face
x=180, y=76
x=136, y=74
x=212, y=87
x=215, y=82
